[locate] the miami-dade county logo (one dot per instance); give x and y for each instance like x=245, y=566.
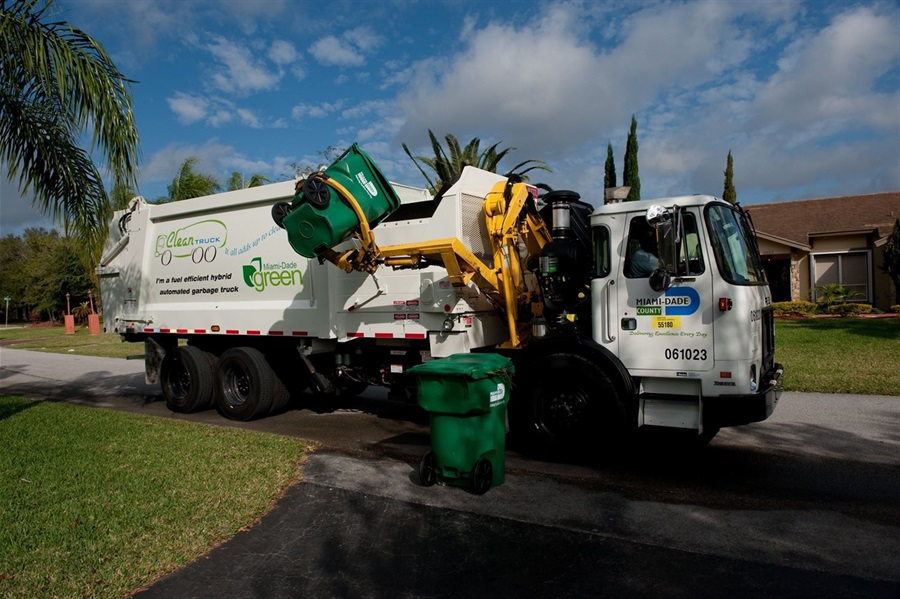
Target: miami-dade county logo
x=261, y=276
x=677, y=301
x=198, y=240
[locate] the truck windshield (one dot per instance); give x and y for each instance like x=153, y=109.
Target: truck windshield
x=734, y=246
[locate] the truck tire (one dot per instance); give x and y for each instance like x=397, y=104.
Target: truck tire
x=187, y=378
x=245, y=384
x=566, y=404
x=281, y=397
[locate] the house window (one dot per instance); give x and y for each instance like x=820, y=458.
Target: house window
x=850, y=270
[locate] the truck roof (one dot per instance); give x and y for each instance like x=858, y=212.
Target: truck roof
x=643, y=205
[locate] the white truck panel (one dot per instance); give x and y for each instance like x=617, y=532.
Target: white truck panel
x=220, y=265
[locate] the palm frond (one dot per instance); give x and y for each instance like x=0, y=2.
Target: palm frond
x=60, y=75
x=418, y=166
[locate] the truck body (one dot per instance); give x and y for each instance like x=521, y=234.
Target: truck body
x=230, y=314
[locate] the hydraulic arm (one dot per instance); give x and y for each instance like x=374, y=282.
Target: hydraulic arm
x=512, y=220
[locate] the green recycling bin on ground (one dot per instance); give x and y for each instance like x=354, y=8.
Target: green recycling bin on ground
x=319, y=219
x=465, y=396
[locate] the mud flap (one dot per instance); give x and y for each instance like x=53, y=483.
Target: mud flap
x=153, y=358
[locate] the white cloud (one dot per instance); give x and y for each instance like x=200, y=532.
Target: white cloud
x=247, y=117
x=220, y=117
x=542, y=85
x=831, y=74
x=699, y=78
x=348, y=50
x=331, y=51
x=364, y=38
x=163, y=164
x=282, y=52
x=214, y=111
x=188, y=108
x=316, y=111
x=240, y=71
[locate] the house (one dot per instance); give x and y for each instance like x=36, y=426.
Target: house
x=808, y=243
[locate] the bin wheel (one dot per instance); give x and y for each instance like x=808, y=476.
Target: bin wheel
x=482, y=476
x=427, y=473
x=316, y=193
x=279, y=212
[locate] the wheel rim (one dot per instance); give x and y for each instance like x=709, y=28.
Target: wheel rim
x=237, y=386
x=180, y=380
x=563, y=411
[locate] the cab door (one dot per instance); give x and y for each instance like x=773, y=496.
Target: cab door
x=669, y=330
x=604, y=287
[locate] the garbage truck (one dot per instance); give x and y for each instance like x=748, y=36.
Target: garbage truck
x=630, y=315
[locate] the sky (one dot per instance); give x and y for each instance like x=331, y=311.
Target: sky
x=805, y=95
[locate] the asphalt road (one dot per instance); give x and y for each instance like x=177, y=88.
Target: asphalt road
x=804, y=504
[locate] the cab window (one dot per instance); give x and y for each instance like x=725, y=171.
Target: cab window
x=734, y=246
x=601, y=252
x=642, y=254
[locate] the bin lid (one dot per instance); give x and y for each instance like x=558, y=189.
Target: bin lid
x=472, y=366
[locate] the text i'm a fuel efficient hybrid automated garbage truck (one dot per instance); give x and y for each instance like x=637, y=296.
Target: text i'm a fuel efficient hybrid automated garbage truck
x=345, y=280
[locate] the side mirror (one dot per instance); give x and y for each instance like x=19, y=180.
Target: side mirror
x=660, y=280
x=657, y=215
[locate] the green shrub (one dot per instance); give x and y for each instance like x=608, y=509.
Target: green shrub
x=850, y=309
x=834, y=293
x=895, y=308
x=799, y=308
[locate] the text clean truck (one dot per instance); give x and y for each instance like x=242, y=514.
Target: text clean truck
x=345, y=280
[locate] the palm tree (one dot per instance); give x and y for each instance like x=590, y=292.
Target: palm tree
x=55, y=83
x=238, y=181
x=190, y=184
x=448, y=165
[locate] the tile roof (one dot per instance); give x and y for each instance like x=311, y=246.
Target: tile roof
x=799, y=220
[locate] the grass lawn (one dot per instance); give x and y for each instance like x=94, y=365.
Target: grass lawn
x=840, y=355
x=54, y=339
x=101, y=503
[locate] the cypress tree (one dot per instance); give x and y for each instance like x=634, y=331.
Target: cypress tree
x=609, y=175
x=630, y=176
x=729, y=194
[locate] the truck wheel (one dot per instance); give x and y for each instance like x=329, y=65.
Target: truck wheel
x=281, y=397
x=187, y=379
x=568, y=403
x=245, y=384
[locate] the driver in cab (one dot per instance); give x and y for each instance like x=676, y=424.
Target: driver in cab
x=644, y=260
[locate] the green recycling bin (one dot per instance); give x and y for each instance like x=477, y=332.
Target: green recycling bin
x=465, y=396
x=318, y=219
